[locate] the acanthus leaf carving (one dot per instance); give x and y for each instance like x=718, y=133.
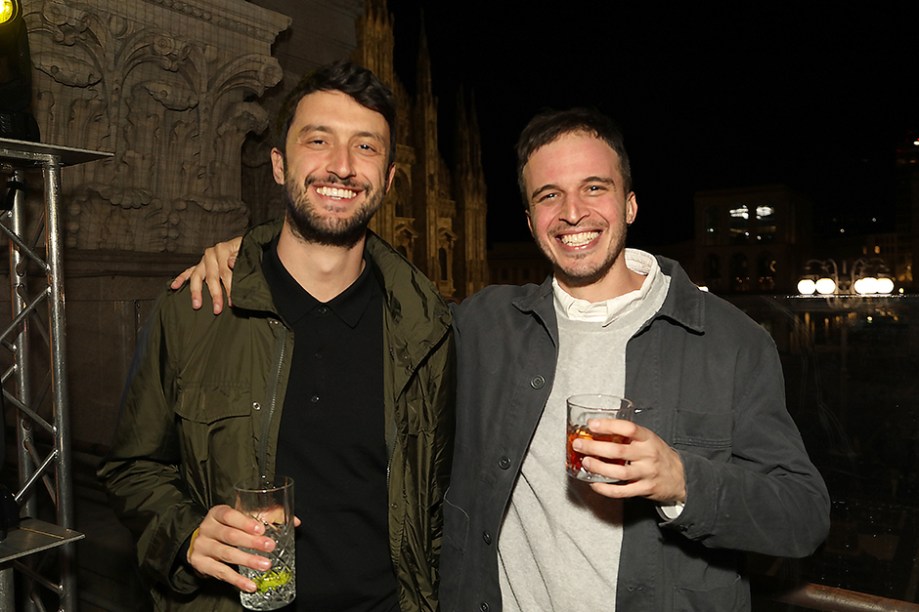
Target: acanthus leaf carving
x=67, y=23
x=67, y=69
x=170, y=51
x=169, y=95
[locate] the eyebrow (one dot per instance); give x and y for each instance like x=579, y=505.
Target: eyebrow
x=538, y=191
x=313, y=127
x=606, y=180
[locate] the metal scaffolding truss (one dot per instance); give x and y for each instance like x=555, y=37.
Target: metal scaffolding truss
x=42, y=426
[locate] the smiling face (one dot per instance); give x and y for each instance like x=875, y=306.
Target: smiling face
x=578, y=212
x=334, y=168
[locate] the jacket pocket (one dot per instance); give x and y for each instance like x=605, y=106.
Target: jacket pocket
x=704, y=433
x=207, y=406
x=217, y=440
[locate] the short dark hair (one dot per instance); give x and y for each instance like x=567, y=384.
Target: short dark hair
x=356, y=81
x=549, y=126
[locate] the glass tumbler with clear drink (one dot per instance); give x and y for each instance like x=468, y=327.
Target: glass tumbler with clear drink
x=272, y=503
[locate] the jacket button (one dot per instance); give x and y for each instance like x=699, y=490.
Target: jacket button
x=484, y=607
x=256, y=406
x=504, y=463
x=538, y=382
x=487, y=537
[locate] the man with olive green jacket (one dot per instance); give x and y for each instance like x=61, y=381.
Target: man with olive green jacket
x=203, y=408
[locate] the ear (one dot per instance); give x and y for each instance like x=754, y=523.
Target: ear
x=277, y=165
x=529, y=222
x=631, y=208
x=391, y=175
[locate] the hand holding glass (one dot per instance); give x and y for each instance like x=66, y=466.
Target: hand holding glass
x=582, y=408
x=272, y=503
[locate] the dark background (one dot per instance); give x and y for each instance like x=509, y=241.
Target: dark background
x=815, y=95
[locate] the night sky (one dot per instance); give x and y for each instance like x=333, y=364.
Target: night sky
x=815, y=95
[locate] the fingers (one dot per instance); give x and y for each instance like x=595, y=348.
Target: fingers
x=193, y=275
x=209, y=268
x=646, y=466
x=224, y=261
x=619, y=427
x=216, y=551
x=214, y=270
x=182, y=278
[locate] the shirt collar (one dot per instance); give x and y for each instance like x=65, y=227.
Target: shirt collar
x=607, y=311
x=294, y=302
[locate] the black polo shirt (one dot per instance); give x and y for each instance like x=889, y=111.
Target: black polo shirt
x=332, y=443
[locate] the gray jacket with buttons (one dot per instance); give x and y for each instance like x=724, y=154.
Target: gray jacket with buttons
x=714, y=383
x=202, y=410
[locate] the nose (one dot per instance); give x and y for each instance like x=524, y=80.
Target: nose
x=573, y=210
x=340, y=162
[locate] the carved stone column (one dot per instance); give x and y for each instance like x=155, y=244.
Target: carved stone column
x=169, y=86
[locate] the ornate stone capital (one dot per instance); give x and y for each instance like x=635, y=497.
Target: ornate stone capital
x=168, y=86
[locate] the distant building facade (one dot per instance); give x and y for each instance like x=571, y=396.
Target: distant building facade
x=435, y=215
x=750, y=239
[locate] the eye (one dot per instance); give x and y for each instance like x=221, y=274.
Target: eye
x=546, y=197
x=367, y=148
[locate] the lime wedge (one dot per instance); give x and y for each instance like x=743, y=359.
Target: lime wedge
x=272, y=579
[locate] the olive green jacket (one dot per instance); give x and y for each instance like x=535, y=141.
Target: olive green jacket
x=202, y=410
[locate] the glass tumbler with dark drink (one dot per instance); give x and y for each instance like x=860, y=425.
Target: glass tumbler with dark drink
x=582, y=408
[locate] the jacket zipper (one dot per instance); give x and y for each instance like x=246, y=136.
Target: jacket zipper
x=273, y=402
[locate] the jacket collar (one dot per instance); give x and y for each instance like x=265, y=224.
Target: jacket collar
x=419, y=315
x=684, y=303
x=537, y=300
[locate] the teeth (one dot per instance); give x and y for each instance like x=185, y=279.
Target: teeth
x=335, y=192
x=581, y=239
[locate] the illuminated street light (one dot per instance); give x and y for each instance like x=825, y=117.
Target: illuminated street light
x=807, y=286
x=885, y=285
x=825, y=286
x=866, y=277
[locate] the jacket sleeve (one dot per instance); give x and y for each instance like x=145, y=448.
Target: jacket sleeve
x=767, y=497
x=141, y=472
x=445, y=401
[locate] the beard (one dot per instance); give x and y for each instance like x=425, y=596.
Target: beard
x=308, y=224
x=578, y=273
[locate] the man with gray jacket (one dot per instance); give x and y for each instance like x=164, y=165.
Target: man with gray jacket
x=714, y=466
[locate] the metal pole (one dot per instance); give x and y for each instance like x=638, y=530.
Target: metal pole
x=19, y=302
x=57, y=324
x=7, y=593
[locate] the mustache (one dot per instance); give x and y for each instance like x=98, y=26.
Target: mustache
x=332, y=180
